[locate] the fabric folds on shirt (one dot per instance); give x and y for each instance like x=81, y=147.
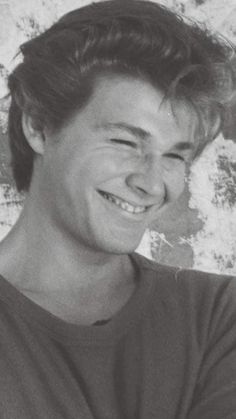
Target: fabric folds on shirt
x=170, y=353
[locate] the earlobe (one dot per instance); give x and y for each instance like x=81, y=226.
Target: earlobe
x=34, y=136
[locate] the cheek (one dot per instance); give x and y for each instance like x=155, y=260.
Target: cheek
x=175, y=183
x=83, y=175
x=109, y=164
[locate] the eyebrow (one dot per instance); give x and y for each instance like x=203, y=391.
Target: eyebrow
x=142, y=134
x=131, y=129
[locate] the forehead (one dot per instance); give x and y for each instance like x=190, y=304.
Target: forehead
x=119, y=100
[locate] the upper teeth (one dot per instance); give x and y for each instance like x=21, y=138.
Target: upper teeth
x=124, y=205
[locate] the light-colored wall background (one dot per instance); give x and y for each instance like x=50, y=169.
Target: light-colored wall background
x=199, y=231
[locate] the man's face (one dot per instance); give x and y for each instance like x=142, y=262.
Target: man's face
x=115, y=165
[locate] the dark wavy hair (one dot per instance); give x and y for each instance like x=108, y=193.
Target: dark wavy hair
x=138, y=38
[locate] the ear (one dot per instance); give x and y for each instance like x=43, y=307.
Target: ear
x=34, y=136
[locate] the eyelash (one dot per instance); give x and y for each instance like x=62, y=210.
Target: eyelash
x=124, y=142
x=175, y=156
x=134, y=145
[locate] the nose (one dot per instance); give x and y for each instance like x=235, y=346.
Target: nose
x=147, y=178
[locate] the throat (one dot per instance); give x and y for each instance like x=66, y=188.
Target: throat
x=85, y=306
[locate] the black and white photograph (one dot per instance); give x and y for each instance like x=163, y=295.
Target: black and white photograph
x=118, y=209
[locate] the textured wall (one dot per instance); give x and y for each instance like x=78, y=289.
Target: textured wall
x=200, y=229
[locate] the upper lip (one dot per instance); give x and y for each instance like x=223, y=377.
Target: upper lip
x=134, y=204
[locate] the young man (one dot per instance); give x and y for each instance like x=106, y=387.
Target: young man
x=109, y=107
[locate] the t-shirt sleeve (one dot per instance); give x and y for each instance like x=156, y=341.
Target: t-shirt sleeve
x=215, y=393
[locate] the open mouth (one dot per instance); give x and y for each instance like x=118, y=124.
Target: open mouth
x=124, y=205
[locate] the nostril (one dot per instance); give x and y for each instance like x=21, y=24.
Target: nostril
x=146, y=185
x=137, y=184
x=139, y=189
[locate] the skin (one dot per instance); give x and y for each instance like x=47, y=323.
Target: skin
x=71, y=245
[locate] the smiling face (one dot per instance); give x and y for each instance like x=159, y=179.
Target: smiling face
x=109, y=171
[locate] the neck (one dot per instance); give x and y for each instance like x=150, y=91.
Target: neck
x=77, y=284
x=46, y=259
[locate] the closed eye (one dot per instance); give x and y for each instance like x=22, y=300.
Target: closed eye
x=124, y=142
x=175, y=156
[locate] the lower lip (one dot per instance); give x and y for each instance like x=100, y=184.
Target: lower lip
x=121, y=211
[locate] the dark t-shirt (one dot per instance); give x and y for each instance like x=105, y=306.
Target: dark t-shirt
x=170, y=353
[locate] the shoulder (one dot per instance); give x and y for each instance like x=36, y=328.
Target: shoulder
x=190, y=281
x=190, y=296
